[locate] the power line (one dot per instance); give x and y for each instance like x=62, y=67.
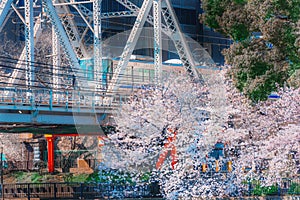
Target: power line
x=50, y=67
x=127, y=80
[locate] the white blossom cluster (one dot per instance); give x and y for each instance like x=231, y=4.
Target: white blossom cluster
x=267, y=135
x=261, y=140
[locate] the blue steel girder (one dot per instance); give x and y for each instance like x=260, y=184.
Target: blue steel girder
x=128, y=49
x=173, y=30
x=71, y=30
x=97, y=43
x=118, y=14
x=47, y=114
x=176, y=34
x=47, y=119
x=89, y=14
x=129, y=5
x=157, y=41
x=63, y=38
x=6, y=19
x=135, y=10
x=58, y=109
x=37, y=30
x=4, y=9
x=29, y=43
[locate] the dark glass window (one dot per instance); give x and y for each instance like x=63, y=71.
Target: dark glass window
x=186, y=16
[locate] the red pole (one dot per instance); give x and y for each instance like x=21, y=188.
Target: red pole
x=50, y=141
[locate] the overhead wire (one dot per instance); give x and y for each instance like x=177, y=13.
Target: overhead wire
x=79, y=73
x=50, y=67
x=128, y=76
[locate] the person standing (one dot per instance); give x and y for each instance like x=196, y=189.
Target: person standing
x=74, y=81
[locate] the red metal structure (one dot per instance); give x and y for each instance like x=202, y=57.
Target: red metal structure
x=169, y=146
x=50, y=143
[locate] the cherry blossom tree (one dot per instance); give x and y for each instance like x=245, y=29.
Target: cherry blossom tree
x=261, y=140
x=179, y=117
x=264, y=135
x=12, y=146
x=155, y=113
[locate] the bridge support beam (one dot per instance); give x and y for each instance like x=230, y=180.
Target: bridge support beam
x=50, y=144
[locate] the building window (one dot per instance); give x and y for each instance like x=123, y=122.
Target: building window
x=186, y=16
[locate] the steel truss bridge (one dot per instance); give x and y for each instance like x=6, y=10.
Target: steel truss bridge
x=28, y=107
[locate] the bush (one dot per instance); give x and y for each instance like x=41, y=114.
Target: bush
x=265, y=190
x=294, y=189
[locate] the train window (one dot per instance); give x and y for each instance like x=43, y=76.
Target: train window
x=90, y=73
x=147, y=74
x=152, y=74
x=136, y=75
x=127, y=74
x=140, y=73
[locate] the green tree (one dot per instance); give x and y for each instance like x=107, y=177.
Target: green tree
x=259, y=64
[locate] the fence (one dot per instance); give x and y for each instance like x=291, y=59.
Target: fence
x=68, y=159
x=79, y=191
x=281, y=188
x=118, y=191
x=33, y=166
x=20, y=165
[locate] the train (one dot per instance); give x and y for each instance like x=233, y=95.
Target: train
x=140, y=70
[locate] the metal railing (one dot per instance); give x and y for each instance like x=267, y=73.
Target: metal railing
x=49, y=98
x=72, y=163
x=20, y=165
x=70, y=158
x=79, y=191
x=285, y=186
x=31, y=165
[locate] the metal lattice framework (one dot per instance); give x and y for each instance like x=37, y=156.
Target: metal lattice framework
x=61, y=33
x=4, y=9
x=157, y=41
x=56, y=60
x=29, y=45
x=67, y=35
x=36, y=34
x=69, y=24
x=97, y=41
x=129, y=47
x=178, y=39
